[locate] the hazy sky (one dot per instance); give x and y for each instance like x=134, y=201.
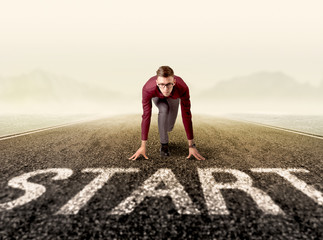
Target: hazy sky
x=111, y=42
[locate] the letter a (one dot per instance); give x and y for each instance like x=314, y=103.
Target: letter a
x=174, y=189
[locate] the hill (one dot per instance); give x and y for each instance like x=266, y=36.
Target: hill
x=265, y=92
x=44, y=91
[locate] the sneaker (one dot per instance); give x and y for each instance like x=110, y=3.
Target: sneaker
x=164, y=150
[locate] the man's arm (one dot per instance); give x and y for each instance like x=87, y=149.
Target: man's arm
x=188, y=125
x=186, y=114
x=146, y=116
x=145, y=124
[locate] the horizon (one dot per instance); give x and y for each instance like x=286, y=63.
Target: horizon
x=48, y=92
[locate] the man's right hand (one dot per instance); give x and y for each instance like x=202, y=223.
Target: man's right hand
x=140, y=151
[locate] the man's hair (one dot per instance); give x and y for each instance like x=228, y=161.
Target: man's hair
x=165, y=71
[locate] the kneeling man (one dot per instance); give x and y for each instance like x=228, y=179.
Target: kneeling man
x=166, y=89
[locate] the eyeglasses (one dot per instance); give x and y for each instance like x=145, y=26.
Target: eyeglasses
x=168, y=85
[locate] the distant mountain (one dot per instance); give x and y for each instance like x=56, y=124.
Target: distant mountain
x=262, y=86
x=43, y=90
x=263, y=91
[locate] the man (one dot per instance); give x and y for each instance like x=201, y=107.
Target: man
x=166, y=89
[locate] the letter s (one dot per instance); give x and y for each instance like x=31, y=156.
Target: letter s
x=32, y=190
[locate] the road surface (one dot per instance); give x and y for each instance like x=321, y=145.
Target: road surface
x=76, y=182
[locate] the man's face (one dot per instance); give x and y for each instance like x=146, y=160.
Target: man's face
x=166, y=84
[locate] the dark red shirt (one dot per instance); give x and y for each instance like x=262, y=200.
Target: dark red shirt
x=180, y=90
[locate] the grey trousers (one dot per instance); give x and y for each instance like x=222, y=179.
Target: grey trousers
x=167, y=114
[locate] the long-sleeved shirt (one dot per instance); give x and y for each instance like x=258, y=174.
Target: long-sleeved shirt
x=180, y=90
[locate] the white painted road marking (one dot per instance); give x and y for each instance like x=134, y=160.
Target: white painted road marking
x=297, y=183
x=96, y=118
x=183, y=204
x=174, y=189
x=280, y=128
x=32, y=190
x=79, y=200
x=46, y=128
x=214, y=199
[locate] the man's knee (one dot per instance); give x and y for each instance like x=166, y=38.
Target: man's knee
x=170, y=128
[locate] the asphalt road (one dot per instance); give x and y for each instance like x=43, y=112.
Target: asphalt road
x=256, y=183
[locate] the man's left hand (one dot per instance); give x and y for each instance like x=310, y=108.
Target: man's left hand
x=195, y=153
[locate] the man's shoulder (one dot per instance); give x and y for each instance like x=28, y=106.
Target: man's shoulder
x=150, y=85
x=180, y=82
